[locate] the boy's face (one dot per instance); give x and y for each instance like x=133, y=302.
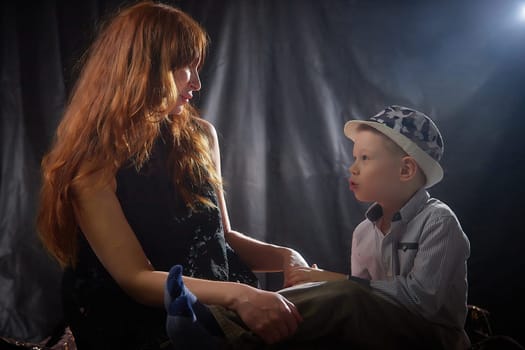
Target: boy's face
x=375, y=173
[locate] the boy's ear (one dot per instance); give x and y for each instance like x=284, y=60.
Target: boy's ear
x=409, y=168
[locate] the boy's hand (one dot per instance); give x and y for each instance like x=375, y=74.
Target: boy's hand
x=302, y=274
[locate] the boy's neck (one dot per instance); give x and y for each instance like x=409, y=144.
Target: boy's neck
x=391, y=207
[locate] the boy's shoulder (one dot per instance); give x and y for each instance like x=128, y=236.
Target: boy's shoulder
x=436, y=208
x=436, y=214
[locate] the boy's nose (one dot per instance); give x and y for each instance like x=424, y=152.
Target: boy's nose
x=353, y=169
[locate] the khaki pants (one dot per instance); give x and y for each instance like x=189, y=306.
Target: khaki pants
x=337, y=315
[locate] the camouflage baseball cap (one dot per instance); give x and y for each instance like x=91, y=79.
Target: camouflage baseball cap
x=411, y=130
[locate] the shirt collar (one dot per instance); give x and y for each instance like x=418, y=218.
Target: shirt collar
x=406, y=213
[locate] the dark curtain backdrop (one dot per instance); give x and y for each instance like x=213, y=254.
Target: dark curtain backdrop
x=281, y=79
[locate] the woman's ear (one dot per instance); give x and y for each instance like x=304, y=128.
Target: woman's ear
x=409, y=168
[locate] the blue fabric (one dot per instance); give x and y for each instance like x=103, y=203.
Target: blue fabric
x=183, y=325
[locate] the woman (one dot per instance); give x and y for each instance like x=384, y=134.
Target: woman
x=132, y=187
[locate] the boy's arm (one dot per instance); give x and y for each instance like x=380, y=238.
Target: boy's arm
x=439, y=267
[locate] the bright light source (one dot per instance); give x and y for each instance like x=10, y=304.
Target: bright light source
x=522, y=12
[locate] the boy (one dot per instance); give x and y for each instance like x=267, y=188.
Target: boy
x=410, y=249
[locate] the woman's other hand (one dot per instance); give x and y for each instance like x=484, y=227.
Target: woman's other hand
x=291, y=260
x=301, y=274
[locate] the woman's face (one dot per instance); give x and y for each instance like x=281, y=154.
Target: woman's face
x=187, y=81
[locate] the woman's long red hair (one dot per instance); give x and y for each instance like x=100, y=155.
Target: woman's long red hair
x=114, y=115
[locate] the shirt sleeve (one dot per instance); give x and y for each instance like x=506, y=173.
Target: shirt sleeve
x=438, y=265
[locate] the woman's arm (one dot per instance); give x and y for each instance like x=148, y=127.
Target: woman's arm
x=109, y=234
x=105, y=227
x=259, y=256
x=102, y=221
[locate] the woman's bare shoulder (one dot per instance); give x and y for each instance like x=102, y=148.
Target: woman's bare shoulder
x=205, y=125
x=209, y=130
x=92, y=178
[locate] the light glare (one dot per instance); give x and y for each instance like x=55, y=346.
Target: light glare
x=522, y=12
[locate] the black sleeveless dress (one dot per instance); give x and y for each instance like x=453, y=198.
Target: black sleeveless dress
x=100, y=314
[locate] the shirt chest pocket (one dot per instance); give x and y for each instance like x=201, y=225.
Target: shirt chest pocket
x=406, y=252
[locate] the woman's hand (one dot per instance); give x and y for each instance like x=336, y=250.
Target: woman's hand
x=268, y=314
x=291, y=260
x=303, y=274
